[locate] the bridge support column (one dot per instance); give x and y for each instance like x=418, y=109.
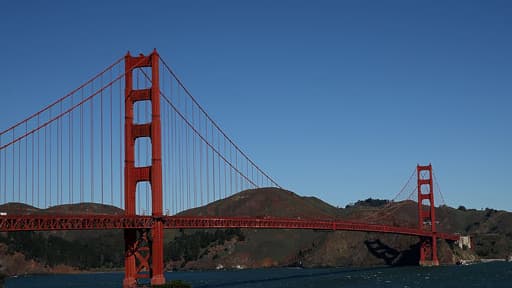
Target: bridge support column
x=427, y=216
x=143, y=248
x=428, y=252
x=158, y=254
x=129, y=258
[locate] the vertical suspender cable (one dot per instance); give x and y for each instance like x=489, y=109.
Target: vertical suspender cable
x=61, y=154
x=207, y=164
x=82, y=166
x=200, y=161
x=194, y=160
x=173, y=155
x=182, y=171
x=45, y=168
x=1, y=172
x=71, y=168
x=38, y=164
x=175, y=163
x=172, y=170
x=6, y=195
x=50, y=162
x=180, y=155
x=187, y=152
x=218, y=165
x=111, y=132
x=169, y=161
x=19, y=171
x=168, y=158
x=26, y=164
x=32, y=174
x=121, y=148
x=92, y=144
x=213, y=165
x=225, y=176
x=236, y=173
x=231, y=168
x=101, y=138
x=5, y=175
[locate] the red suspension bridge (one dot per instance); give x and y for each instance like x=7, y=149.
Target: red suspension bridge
x=134, y=137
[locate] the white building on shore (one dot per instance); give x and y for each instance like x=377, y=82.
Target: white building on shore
x=464, y=242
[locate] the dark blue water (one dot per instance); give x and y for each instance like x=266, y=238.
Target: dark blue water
x=497, y=274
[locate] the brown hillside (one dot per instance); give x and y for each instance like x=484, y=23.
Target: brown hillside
x=263, y=248
x=262, y=202
x=19, y=209
x=85, y=208
x=80, y=208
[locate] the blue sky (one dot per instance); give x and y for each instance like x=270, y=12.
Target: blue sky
x=336, y=99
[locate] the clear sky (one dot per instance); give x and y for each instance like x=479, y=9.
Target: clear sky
x=336, y=99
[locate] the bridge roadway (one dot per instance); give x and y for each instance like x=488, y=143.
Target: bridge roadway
x=11, y=223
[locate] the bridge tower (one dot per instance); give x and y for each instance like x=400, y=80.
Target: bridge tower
x=143, y=248
x=427, y=216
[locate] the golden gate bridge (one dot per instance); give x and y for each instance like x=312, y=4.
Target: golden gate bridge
x=134, y=137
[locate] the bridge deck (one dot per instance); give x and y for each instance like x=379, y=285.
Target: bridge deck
x=10, y=223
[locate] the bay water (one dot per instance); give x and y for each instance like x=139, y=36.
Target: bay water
x=496, y=274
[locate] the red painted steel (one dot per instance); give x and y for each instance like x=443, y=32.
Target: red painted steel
x=11, y=223
x=427, y=216
x=140, y=259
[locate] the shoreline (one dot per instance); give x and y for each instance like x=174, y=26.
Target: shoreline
x=77, y=272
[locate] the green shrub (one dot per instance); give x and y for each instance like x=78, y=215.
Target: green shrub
x=190, y=247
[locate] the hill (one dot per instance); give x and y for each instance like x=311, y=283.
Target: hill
x=60, y=251
x=267, y=202
x=262, y=248
x=67, y=209
x=192, y=249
